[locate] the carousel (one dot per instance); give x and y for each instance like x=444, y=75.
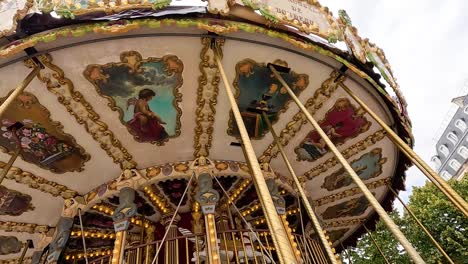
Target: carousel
x=226, y=131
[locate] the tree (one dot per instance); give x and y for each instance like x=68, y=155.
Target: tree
x=446, y=224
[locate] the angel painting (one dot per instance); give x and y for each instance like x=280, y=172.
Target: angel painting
x=146, y=123
x=145, y=92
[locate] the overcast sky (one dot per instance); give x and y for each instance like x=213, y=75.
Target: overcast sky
x=426, y=43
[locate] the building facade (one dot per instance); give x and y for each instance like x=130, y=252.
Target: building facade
x=452, y=146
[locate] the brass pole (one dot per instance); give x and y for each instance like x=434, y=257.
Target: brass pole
x=280, y=239
x=83, y=237
x=378, y=208
x=376, y=245
x=27, y=244
x=18, y=90
x=456, y=199
x=422, y=226
x=7, y=167
x=305, y=201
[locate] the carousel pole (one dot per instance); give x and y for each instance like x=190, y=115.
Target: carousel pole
x=15, y=155
x=305, y=201
x=422, y=227
x=442, y=185
x=376, y=245
x=19, y=89
x=280, y=238
x=378, y=208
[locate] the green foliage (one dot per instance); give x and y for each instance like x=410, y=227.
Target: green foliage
x=446, y=224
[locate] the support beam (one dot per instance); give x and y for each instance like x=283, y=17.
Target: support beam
x=440, y=183
x=369, y=196
x=280, y=238
x=376, y=245
x=305, y=200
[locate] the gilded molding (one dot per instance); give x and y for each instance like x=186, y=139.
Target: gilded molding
x=26, y=260
x=347, y=153
x=207, y=94
x=350, y=192
x=341, y=223
x=56, y=82
x=38, y=183
x=314, y=103
x=8, y=226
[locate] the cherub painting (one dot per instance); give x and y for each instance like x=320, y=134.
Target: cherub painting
x=367, y=166
x=259, y=91
x=353, y=207
x=145, y=92
x=342, y=122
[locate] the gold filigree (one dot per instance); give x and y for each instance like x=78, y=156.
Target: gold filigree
x=133, y=60
x=314, y=103
x=56, y=82
x=347, y=222
x=8, y=226
x=347, y=153
x=350, y=192
x=26, y=260
x=38, y=183
x=207, y=94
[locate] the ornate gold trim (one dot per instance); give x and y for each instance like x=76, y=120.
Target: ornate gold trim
x=9, y=226
x=24, y=102
x=207, y=94
x=135, y=67
x=56, y=82
x=20, y=14
x=313, y=104
x=347, y=153
x=350, y=192
x=38, y=183
x=347, y=222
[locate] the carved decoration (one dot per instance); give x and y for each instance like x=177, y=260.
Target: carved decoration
x=257, y=88
x=350, y=192
x=314, y=103
x=26, y=260
x=206, y=196
x=351, y=37
x=14, y=203
x=127, y=208
x=23, y=227
x=207, y=94
x=219, y=6
x=43, y=141
x=341, y=223
x=129, y=85
x=77, y=106
x=342, y=122
x=38, y=183
x=347, y=153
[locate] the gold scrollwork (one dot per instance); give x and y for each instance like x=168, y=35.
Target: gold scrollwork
x=346, y=222
x=207, y=93
x=54, y=78
x=9, y=226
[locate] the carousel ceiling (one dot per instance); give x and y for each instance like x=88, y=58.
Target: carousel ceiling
x=154, y=101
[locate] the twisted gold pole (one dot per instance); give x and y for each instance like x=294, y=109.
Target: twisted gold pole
x=375, y=244
x=377, y=207
x=442, y=185
x=422, y=227
x=280, y=239
x=305, y=201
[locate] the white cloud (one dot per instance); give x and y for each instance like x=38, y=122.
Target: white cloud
x=426, y=43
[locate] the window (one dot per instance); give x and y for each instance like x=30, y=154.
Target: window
x=446, y=175
x=463, y=151
x=454, y=164
x=436, y=161
x=452, y=137
x=465, y=109
x=444, y=150
x=460, y=124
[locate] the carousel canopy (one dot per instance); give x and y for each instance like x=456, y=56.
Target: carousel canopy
x=134, y=85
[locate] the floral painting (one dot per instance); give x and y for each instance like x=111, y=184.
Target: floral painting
x=367, y=166
x=27, y=124
x=258, y=90
x=353, y=207
x=342, y=122
x=144, y=92
x=14, y=203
